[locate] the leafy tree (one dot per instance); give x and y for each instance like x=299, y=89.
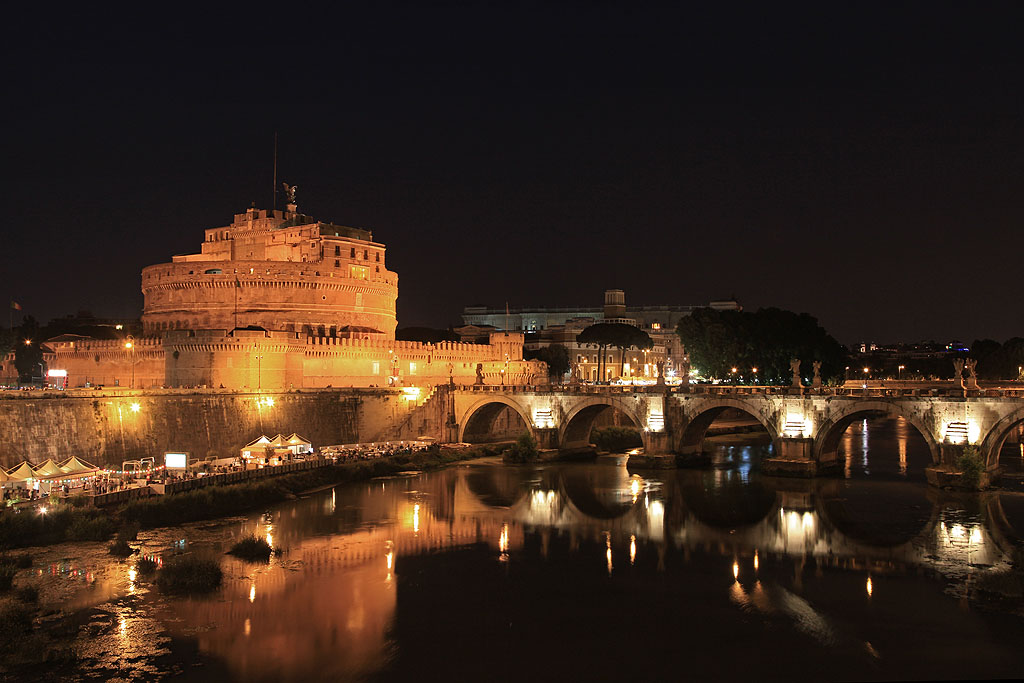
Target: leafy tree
x=767, y=339
x=618, y=335
x=6, y=342
x=999, y=361
x=555, y=355
x=28, y=351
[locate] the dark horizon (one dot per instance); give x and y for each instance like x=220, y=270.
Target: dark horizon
x=860, y=167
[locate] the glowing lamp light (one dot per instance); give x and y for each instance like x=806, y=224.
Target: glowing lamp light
x=957, y=433
x=135, y=407
x=544, y=418
x=42, y=510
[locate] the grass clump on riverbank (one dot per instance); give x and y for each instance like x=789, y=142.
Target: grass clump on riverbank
x=146, y=566
x=15, y=624
x=254, y=549
x=189, y=574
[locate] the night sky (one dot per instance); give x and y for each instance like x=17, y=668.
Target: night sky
x=861, y=165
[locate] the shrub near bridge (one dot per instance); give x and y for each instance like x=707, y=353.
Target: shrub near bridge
x=971, y=467
x=616, y=439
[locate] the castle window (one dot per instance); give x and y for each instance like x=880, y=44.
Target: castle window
x=352, y=254
x=378, y=269
x=214, y=271
x=378, y=257
x=337, y=250
x=337, y=263
x=376, y=367
x=412, y=368
x=366, y=254
x=358, y=272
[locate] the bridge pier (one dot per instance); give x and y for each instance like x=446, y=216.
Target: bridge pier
x=794, y=457
x=547, y=437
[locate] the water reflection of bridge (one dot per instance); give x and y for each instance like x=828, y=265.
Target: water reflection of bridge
x=690, y=510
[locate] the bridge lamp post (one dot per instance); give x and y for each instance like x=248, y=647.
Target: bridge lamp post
x=733, y=374
x=754, y=370
x=866, y=371
x=899, y=372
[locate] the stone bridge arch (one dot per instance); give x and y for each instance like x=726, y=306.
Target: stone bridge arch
x=480, y=416
x=690, y=439
x=574, y=430
x=830, y=432
x=996, y=437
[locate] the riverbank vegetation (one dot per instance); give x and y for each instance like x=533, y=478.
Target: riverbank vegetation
x=66, y=522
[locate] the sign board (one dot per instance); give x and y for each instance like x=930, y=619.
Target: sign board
x=176, y=461
x=56, y=373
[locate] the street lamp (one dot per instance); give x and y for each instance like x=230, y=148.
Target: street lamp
x=130, y=345
x=899, y=372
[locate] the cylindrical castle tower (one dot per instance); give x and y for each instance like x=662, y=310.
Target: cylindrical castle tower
x=279, y=271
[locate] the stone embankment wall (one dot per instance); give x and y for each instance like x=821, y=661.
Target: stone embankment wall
x=103, y=428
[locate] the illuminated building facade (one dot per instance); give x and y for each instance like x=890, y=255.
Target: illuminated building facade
x=278, y=270
x=277, y=300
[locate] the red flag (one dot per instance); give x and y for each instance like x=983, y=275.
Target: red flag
x=15, y=306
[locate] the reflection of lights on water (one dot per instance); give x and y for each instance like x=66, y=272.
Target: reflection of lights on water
x=632, y=548
x=608, y=550
x=503, y=538
x=975, y=535
x=252, y=593
x=735, y=570
x=634, y=488
x=807, y=521
x=132, y=574
x=868, y=587
x=390, y=558
x=248, y=627
x=416, y=518
x=122, y=626
x=757, y=563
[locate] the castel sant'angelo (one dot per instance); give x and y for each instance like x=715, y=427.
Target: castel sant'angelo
x=278, y=300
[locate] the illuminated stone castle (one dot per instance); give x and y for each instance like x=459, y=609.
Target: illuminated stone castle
x=277, y=300
x=277, y=270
